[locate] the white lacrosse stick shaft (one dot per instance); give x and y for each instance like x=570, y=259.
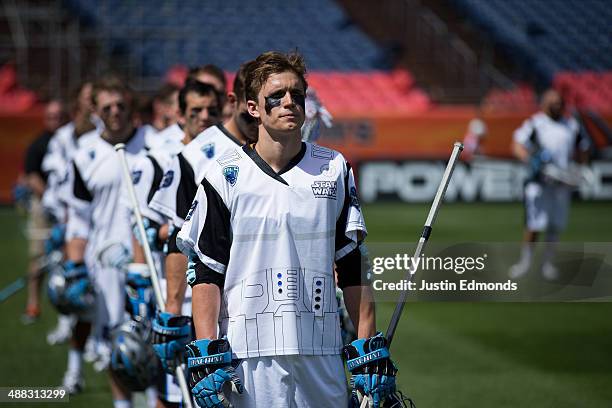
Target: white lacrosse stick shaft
x=159, y=297
x=431, y=218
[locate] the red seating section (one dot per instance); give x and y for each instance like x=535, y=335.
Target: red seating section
x=586, y=90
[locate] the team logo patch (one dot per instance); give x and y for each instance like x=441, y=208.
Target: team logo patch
x=354, y=199
x=191, y=210
x=325, y=189
x=136, y=175
x=209, y=150
x=92, y=154
x=231, y=174
x=167, y=180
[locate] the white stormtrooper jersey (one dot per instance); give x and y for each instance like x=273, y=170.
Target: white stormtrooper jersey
x=97, y=210
x=62, y=148
x=181, y=179
x=275, y=237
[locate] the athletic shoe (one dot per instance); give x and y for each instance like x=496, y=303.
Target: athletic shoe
x=518, y=270
x=30, y=315
x=550, y=272
x=73, y=383
x=62, y=332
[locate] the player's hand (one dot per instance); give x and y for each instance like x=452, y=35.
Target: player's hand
x=372, y=371
x=152, y=233
x=171, y=333
x=140, y=301
x=209, y=364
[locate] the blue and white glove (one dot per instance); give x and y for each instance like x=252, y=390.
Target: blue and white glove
x=210, y=367
x=55, y=242
x=372, y=371
x=537, y=161
x=171, y=333
x=152, y=232
x=140, y=300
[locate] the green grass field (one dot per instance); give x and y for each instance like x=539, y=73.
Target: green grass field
x=449, y=354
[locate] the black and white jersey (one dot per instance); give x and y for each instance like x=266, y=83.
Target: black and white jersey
x=559, y=139
x=57, y=163
x=181, y=179
x=97, y=212
x=275, y=238
x=147, y=173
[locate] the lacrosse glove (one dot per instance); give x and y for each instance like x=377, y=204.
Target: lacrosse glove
x=70, y=289
x=171, y=333
x=152, y=233
x=139, y=296
x=55, y=242
x=372, y=371
x=210, y=367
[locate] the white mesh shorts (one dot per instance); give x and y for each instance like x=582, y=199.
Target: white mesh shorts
x=546, y=206
x=293, y=381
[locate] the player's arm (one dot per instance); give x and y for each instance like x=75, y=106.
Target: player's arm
x=520, y=151
x=79, y=217
x=353, y=279
x=521, y=139
x=176, y=265
x=206, y=302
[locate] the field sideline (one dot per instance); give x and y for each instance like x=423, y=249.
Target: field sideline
x=449, y=354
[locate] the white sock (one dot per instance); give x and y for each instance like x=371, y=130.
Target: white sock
x=75, y=361
x=122, y=404
x=64, y=321
x=526, y=253
x=151, y=395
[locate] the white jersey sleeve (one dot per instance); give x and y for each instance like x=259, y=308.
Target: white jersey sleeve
x=79, y=200
x=146, y=176
x=523, y=134
x=207, y=230
x=350, y=228
x=175, y=192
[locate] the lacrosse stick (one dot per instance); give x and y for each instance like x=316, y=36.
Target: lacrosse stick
x=159, y=297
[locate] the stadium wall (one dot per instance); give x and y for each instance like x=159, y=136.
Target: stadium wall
x=394, y=155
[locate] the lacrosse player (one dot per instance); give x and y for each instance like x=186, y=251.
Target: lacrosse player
x=548, y=140
x=35, y=181
x=268, y=222
x=173, y=199
x=199, y=109
x=57, y=161
x=98, y=223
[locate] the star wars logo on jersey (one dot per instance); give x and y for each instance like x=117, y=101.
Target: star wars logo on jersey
x=325, y=189
x=484, y=180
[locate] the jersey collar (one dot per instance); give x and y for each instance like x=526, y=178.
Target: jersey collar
x=228, y=134
x=265, y=167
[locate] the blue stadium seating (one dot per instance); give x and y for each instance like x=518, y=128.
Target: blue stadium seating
x=163, y=33
x=547, y=36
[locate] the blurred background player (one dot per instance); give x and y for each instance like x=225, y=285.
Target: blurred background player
x=98, y=224
x=476, y=132
x=57, y=162
x=548, y=138
x=213, y=75
x=35, y=182
x=164, y=114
